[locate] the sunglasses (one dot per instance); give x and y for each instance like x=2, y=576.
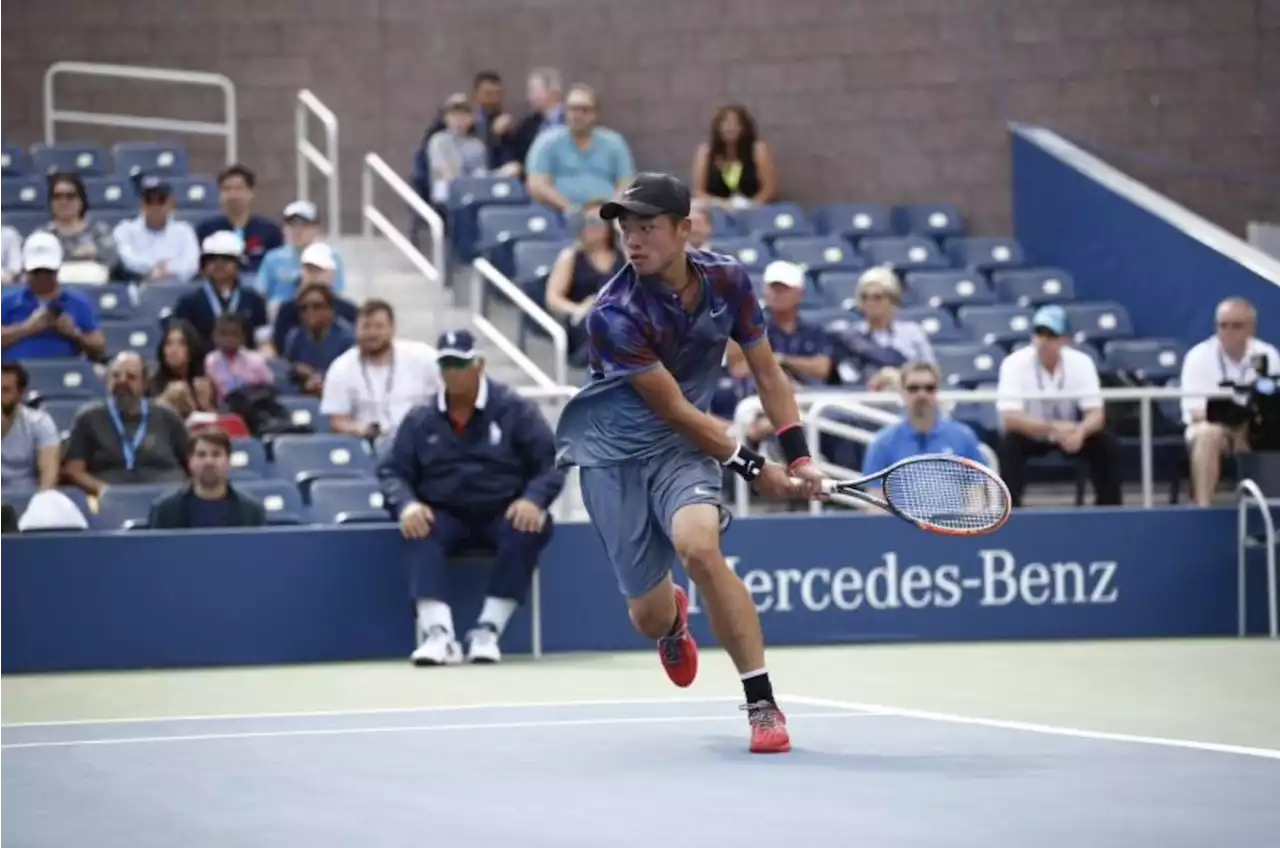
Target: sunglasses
x=917, y=388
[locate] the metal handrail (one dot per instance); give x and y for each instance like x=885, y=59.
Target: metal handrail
x=1248, y=495
x=486, y=273
x=229, y=127
x=326, y=163
x=434, y=268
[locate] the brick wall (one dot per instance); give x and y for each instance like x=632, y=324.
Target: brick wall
x=882, y=100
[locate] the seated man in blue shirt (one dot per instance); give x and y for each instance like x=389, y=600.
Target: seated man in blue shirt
x=477, y=467
x=574, y=164
x=281, y=269
x=924, y=429
x=235, y=195
x=42, y=320
x=311, y=347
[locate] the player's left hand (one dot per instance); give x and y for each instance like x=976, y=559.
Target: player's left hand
x=810, y=478
x=525, y=515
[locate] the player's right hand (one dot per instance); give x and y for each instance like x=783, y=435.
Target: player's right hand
x=775, y=482
x=415, y=521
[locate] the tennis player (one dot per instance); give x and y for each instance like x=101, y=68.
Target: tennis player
x=651, y=457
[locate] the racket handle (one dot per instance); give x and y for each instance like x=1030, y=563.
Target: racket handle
x=829, y=487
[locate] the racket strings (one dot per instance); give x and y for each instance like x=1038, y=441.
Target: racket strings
x=947, y=494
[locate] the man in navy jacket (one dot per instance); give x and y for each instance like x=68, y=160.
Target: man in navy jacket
x=474, y=469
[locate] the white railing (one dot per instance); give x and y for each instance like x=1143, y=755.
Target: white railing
x=372, y=219
x=1249, y=496
x=310, y=156
x=228, y=128
x=485, y=274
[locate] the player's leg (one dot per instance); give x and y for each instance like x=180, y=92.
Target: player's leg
x=428, y=581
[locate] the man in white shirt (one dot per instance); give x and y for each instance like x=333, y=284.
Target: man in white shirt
x=156, y=245
x=370, y=389
x=1039, y=427
x=1233, y=356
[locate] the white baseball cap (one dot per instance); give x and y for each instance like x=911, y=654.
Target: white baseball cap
x=787, y=273
x=222, y=243
x=303, y=209
x=42, y=252
x=319, y=255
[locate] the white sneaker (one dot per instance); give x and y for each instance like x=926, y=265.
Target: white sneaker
x=438, y=648
x=482, y=646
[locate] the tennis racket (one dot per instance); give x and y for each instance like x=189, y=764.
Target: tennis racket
x=939, y=493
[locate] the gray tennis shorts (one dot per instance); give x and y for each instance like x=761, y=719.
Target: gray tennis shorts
x=632, y=506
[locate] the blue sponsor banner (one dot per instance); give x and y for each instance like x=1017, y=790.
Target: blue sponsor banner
x=138, y=600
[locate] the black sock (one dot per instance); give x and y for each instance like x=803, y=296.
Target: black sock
x=758, y=688
x=677, y=625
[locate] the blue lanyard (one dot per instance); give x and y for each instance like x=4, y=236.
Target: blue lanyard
x=215, y=303
x=129, y=446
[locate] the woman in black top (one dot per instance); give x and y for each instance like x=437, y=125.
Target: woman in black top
x=179, y=380
x=580, y=271
x=734, y=168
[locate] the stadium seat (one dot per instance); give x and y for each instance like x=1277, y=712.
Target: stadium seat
x=852, y=221
x=24, y=194
x=499, y=227
x=948, y=288
x=304, y=411
x=304, y=459
x=985, y=253
x=939, y=324
x=903, y=253
x=87, y=160
x=818, y=253
x=119, y=506
x=156, y=300
x=195, y=193
x=533, y=260
x=140, y=158
x=773, y=220
x=723, y=225
x=1153, y=360
x=967, y=365
x=63, y=379
x=63, y=411
x=279, y=498
x=112, y=299
x=750, y=251
x=28, y=221
x=111, y=193
x=999, y=324
x=14, y=161
x=138, y=336
x=984, y=418
x=932, y=220
x=1034, y=286
x=486, y=191
x=1098, y=322
x=248, y=459
x=348, y=502
x=839, y=288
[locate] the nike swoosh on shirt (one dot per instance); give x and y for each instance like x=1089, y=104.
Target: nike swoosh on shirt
x=715, y=314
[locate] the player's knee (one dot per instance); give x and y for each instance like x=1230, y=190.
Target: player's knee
x=700, y=554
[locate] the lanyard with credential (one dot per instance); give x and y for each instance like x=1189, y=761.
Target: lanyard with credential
x=1055, y=407
x=129, y=446
x=215, y=303
x=384, y=407
x=1244, y=370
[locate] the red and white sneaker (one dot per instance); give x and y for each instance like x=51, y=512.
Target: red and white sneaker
x=768, y=728
x=678, y=652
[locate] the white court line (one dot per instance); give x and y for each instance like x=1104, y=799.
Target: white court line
x=433, y=708
x=1048, y=729
x=426, y=728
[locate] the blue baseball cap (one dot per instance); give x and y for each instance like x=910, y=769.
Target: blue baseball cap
x=1052, y=318
x=456, y=344
x=156, y=185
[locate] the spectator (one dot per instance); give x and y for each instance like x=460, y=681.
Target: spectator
x=734, y=168
x=572, y=165
x=878, y=343
x=42, y=320
x=370, y=389
x=924, y=429
x=1036, y=428
x=125, y=439
x=82, y=240
x=10, y=254
x=178, y=380
x=281, y=269
x=156, y=245
x=311, y=348
x=1233, y=355
x=318, y=266
x=478, y=465
x=230, y=366
x=736, y=385
x=221, y=292
x=235, y=195
x=701, y=226
x=209, y=500
x=580, y=271
x=546, y=101
x=493, y=125
x=455, y=151
x=30, y=449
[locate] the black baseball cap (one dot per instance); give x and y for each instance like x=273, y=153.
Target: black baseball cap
x=649, y=196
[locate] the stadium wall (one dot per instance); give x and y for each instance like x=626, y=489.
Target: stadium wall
x=157, y=599
x=874, y=100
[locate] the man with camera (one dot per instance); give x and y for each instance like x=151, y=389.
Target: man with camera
x=1231, y=358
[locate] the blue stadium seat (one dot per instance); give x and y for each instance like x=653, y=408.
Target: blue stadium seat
x=63, y=412
x=999, y=324
x=750, y=251
x=248, y=460
x=948, y=288
x=304, y=459
x=112, y=299
x=1154, y=360
x=28, y=221
x=279, y=498
x=840, y=287
x=111, y=193
x=982, y=417
x=120, y=506
x=1098, y=322
x=140, y=158
x=533, y=259
x=304, y=411
x=63, y=378
x=933, y=220
x=24, y=194
x=156, y=300
x=723, y=225
x=852, y=220
x=1034, y=286
x=348, y=502
x=773, y=220
x=87, y=160
x=486, y=191
x=903, y=253
x=985, y=253
x=138, y=336
x=14, y=161
x=966, y=365
x=499, y=227
x=819, y=253
x=939, y=324
x=195, y=193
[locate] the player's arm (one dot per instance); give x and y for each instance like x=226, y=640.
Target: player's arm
x=662, y=393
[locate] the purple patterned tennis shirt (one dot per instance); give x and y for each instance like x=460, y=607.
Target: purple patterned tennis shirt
x=636, y=325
